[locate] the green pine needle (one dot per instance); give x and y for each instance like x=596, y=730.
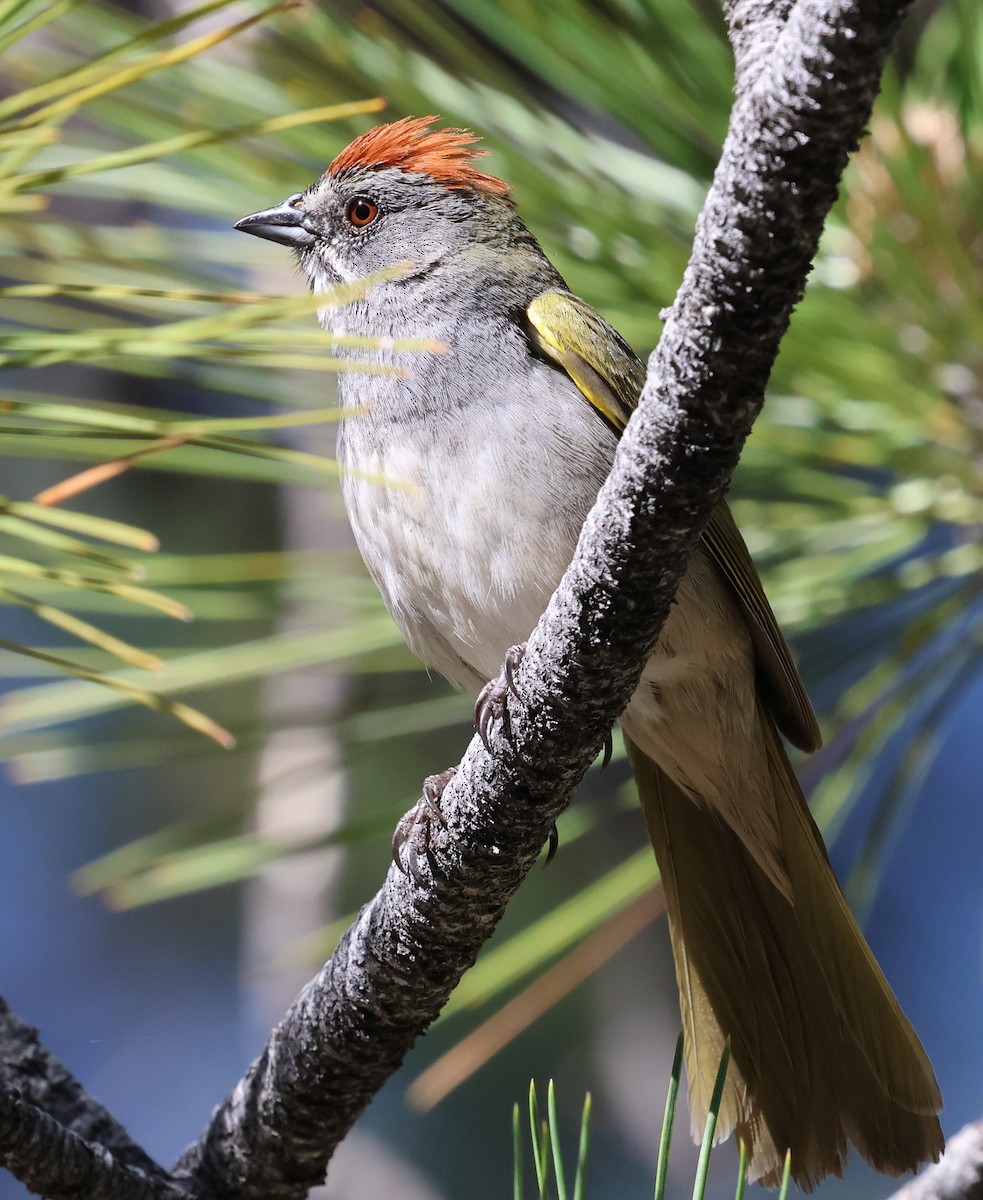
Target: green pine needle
x=554, y=1126
x=706, y=1147
x=149, y=699
x=97, y=527
x=786, y=1176
x=545, y=1138
x=540, y=1149
x=516, y=1153
x=580, y=1180
x=668, y=1120
x=741, y=1171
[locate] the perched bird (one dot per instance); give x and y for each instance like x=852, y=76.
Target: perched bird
x=504, y=442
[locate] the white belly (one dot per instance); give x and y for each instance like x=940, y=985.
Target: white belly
x=466, y=530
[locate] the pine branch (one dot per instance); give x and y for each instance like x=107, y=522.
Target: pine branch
x=39, y=1079
x=55, y=1162
x=807, y=76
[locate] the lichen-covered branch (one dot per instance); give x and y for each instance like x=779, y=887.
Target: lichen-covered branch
x=807, y=76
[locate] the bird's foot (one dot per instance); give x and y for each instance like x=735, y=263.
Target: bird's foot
x=490, y=705
x=413, y=837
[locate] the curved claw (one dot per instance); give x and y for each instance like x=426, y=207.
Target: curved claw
x=433, y=789
x=490, y=704
x=513, y=659
x=404, y=842
x=487, y=709
x=479, y=715
x=414, y=864
x=608, y=749
x=553, y=844
x=398, y=842
x=413, y=837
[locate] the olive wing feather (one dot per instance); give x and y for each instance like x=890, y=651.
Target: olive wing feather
x=566, y=331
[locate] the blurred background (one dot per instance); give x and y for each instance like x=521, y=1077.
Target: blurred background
x=164, y=896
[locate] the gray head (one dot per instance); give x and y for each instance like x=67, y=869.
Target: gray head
x=400, y=193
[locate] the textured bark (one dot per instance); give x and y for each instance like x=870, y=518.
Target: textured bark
x=54, y=1162
x=41, y=1080
x=807, y=75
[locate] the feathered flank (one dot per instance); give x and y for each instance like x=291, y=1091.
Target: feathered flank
x=446, y=155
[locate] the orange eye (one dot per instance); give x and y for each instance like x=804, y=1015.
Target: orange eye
x=362, y=211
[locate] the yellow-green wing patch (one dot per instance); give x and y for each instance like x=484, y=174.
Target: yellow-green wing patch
x=610, y=375
x=600, y=362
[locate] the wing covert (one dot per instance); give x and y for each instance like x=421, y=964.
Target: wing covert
x=566, y=330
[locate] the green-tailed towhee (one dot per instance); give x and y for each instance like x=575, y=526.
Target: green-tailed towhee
x=504, y=442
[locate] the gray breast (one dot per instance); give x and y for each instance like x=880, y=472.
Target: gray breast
x=467, y=505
